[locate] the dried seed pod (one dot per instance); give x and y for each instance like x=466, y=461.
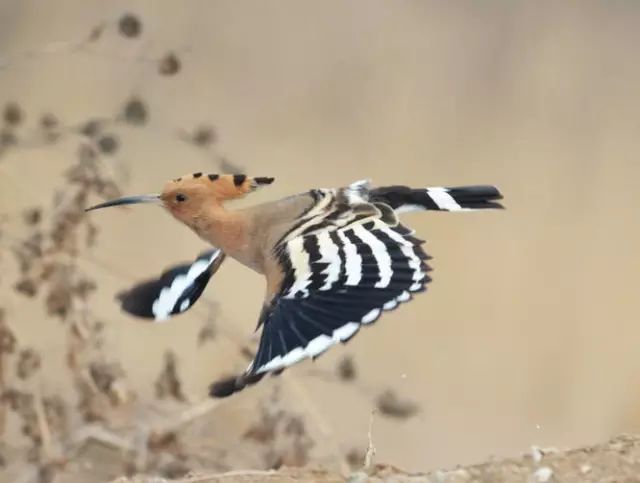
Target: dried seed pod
x=26, y=287
x=32, y=216
x=162, y=441
x=129, y=25
x=347, y=369
x=169, y=65
x=355, y=458
x=91, y=127
x=135, y=112
x=27, y=364
x=96, y=33
x=84, y=287
x=58, y=300
x=49, y=121
x=18, y=401
x=7, y=339
x=108, y=144
x=391, y=405
x=13, y=114
x=204, y=136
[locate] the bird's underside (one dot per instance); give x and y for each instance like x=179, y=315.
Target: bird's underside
x=340, y=263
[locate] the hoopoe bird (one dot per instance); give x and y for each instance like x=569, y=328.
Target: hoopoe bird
x=334, y=259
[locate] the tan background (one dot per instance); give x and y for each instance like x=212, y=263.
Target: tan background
x=530, y=331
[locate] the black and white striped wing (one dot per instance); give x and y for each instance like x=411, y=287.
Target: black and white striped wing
x=177, y=289
x=335, y=282
x=462, y=198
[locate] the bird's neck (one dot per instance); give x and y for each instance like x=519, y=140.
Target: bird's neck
x=228, y=230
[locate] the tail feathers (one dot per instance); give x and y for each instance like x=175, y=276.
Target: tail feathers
x=464, y=198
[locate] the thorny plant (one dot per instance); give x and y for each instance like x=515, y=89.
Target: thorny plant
x=55, y=427
x=283, y=435
x=48, y=271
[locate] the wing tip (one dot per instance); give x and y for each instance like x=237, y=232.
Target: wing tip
x=224, y=387
x=227, y=386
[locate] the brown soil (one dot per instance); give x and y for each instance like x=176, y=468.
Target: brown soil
x=615, y=461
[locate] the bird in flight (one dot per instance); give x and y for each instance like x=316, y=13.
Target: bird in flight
x=334, y=259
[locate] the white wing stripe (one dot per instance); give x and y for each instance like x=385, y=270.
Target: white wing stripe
x=329, y=253
x=168, y=296
x=353, y=260
x=407, y=250
x=346, y=331
x=380, y=253
x=444, y=200
x=300, y=264
x=371, y=316
x=313, y=348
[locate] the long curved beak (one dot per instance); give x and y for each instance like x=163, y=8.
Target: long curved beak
x=127, y=200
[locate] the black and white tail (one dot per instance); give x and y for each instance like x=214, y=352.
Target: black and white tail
x=464, y=198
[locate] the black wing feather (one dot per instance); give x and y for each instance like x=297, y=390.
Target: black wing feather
x=139, y=300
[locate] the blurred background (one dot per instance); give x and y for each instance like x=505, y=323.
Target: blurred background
x=528, y=334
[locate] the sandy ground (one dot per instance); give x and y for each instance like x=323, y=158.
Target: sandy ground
x=618, y=460
x=528, y=334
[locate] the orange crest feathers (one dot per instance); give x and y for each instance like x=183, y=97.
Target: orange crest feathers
x=220, y=187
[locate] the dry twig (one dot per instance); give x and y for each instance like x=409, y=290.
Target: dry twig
x=371, y=450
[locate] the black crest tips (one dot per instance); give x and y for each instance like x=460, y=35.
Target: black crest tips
x=264, y=180
x=213, y=177
x=238, y=179
x=197, y=175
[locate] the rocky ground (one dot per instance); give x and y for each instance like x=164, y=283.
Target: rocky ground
x=617, y=460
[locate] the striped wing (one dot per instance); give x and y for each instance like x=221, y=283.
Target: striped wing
x=462, y=198
x=175, y=291
x=337, y=279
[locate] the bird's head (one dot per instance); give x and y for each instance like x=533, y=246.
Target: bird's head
x=186, y=196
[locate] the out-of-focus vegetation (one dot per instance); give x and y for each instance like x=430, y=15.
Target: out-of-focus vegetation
x=92, y=424
x=528, y=334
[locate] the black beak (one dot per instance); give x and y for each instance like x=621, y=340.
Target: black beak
x=127, y=200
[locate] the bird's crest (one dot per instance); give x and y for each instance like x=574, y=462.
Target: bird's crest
x=188, y=193
x=222, y=187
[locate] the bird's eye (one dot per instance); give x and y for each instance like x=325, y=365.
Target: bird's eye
x=180, y=197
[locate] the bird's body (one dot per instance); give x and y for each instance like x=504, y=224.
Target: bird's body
x=249, y=234
x=333, y=259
